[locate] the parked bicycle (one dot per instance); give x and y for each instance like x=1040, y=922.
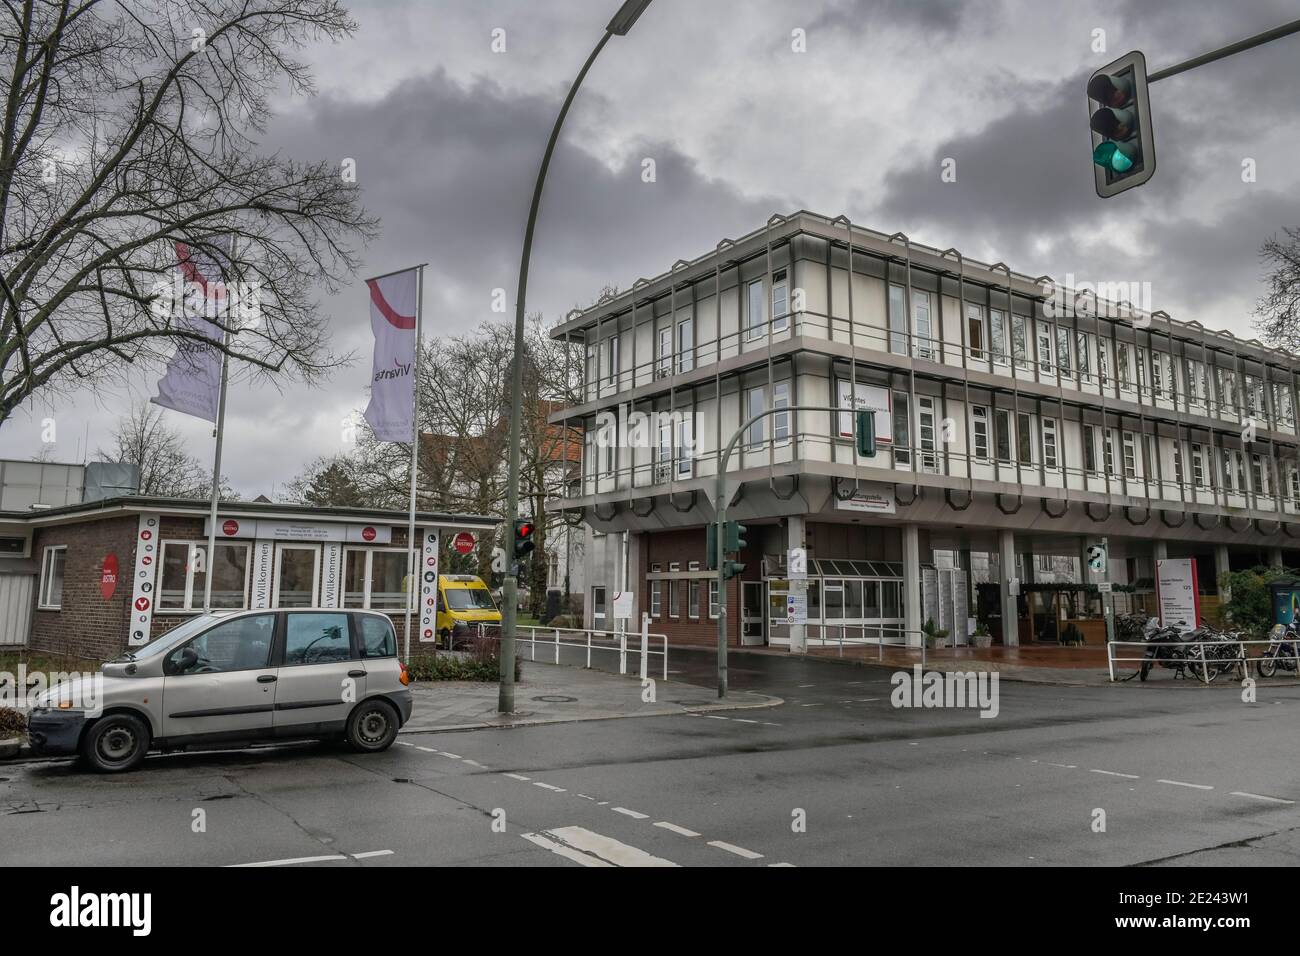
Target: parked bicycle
x=1211, y=652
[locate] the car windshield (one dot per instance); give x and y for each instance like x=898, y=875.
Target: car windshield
x=177, y=634
x=469, y=599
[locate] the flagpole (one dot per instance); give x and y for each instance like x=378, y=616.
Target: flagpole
x=210, y=562
x=411, y=590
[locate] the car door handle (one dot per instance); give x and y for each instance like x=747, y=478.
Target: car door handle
x=266, y=679
x=356, y=673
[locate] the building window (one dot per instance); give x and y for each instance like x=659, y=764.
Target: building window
x=1049, y=442
x=1090, y=449
x=781, y=420
x=1130, y=456
x=756, y=403
x=1110, y=451
x=1157, y=373
x=1295, y=483
x=1082, y=349
x=925, y=339
x=1141, y=365
x=674, y=598
x=1019, y=343
x=898, y=320
x=609, y=380
x=1002, y=433
x=693, y=599
x=1257, y=475
x=1063, y=350
x=665, y=366
x=184, y=576
x=780, y=304
x=664, y=463
x=685, y=345
x=902, y=430
x=998, y=335
x=297, y=574
x=1122, y=365
x=1045, y=349
x=52, y=565
x=598, y=608
x=1198, y=467
x=981, y=429
x=713, y=600
x=1178, y=467
x=1103, y=360
x=926, y=432
x=372, y=578
x=685, y=447
x=754, y=320
x=1024, y=440
x=656, y=598
x=591, y=377
x=975, y=330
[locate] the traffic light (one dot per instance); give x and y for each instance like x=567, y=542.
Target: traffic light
x=1123, y=150
x=734, y=533
x=524, y=544
x=711, y=546
x=733, y=570
x=866, y=434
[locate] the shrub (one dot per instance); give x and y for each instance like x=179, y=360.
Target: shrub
x=12, y=723
x=1250, y=608
x=480, y=662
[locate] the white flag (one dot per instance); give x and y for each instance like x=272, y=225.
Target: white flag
x=192, y=384
x=392, y=384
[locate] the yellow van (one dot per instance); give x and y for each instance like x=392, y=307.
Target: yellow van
x=464, y=601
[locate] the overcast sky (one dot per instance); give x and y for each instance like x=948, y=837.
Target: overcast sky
x=447, y=135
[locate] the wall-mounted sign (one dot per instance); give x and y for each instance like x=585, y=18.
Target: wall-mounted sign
x=623, y=605
x=869, y=498
x=263, y=554
x=301, y=531
x=108, y=577
x=331, y=574
x=874, y=398
x=1176, y=590
x=142, y=580
x=429, y=585
x=463, y=542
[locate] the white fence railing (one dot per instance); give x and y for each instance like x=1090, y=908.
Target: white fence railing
x=590, y=640
x=1199, y=659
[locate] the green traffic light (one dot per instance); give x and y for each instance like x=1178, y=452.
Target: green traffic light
x=1114, y=156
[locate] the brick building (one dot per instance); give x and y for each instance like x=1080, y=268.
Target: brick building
x=106, y=575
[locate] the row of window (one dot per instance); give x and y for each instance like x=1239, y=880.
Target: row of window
x=991, y=338
x=674, y=588
x=372, y=577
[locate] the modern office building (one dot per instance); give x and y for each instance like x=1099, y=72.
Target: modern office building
x=1018, y=421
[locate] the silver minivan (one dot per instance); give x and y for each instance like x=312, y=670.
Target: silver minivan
x=229, y=679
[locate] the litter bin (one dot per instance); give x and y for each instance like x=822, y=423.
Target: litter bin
x=1285, y=593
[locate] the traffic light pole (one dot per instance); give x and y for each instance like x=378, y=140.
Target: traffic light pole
x=1241, y=45
x=720, y=507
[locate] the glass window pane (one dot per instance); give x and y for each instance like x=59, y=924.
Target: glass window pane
x=238, y=645
x=316, y=638
x=890, y=604
x=871, y=600
x=834, y=601
x=231, y=574
x=297, y=577
x=377, y=637
x=387, y=569
x=814, y=601
x=171, y=595
x=354, y=579
x=852, y=600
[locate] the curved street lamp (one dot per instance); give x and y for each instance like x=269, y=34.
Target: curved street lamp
x=621, y=23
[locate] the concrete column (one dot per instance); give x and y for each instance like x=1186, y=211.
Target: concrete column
x=1275, y=557
x=1220, y=566
x=1159, y=552
x=794, y=538
x=912, y=584
x=1007, y=562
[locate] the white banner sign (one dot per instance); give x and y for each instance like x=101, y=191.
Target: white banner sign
x=623, y=605
x=331, y=590
x=429, y=586
x=875, y=398
x=870, y=498
x=263, y=555
x=392, y=382
x=142, y=581
x=301, y=531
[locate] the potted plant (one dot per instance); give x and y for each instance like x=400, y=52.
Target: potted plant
x=981, y=637
x=935, y=636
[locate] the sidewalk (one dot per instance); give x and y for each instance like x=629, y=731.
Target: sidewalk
x=1070, y=666
x=552, y=694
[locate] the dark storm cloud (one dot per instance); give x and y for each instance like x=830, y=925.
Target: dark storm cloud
x=450, y=169
x=925, y=15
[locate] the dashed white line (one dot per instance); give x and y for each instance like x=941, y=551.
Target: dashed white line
x=547, y=786
x=1065, y=766
x=810, y=705
x=516, y=776
x=430, y=750
x=475, y=763
x=738, y=850
x=674, y=828
x=807, y=685
x=716, y=717
x=1260, y=796
x=404, y=743
x=370, y=853
x=1179, y=783
x=451, y=755
x=1113, y=773
x=781, y=864
x=744, y=720
x=291, y=862
x=630, y=813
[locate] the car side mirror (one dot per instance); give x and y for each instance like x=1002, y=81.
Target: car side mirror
x=182, y=660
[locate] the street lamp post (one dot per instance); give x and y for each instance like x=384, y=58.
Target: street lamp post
x=619, y=26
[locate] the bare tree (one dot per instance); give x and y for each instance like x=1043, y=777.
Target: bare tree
x=130, y=127
x=1278, y=311
x=143, y=438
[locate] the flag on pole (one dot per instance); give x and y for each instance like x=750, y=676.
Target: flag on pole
x=192, y=384
x=392, y=386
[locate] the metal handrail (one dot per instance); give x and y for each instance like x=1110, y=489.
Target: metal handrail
x=617, y=642
x=1202, y=660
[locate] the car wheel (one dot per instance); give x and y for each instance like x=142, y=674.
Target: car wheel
x=372, y=726
x=115, y=743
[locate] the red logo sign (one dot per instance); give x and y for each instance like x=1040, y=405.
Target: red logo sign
x=142, y=604
x=146, y=535
x=108, y=577
x=368, y=533
x=463, y=542
x=230, y=528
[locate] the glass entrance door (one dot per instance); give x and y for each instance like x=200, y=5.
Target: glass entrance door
x=751, y=613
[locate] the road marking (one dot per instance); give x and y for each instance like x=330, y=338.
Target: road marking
x=768, y=723
x=744, y=720
x=1179, y=783
x=1260, y=796
x=445, y=754
x=430, y=750
x=585, y=797
x=716, y=717
x=371, y=853
x=807, y=685
x=547, y=786
x=781, y=864
x=1112, y=773
x=1065, y=766
x=291, y=862
x=868, y=700
x=567, y=852
x=475, y=763
x=674, y=828
x=810, y=705
x=592, y=849
x=517, y=776
x=404, y=743
x=630, y=813
x=738, y=850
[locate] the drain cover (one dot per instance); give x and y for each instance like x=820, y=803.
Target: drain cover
x=556, y=699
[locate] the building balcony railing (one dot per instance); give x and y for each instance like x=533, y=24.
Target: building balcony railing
x=1013, y=364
